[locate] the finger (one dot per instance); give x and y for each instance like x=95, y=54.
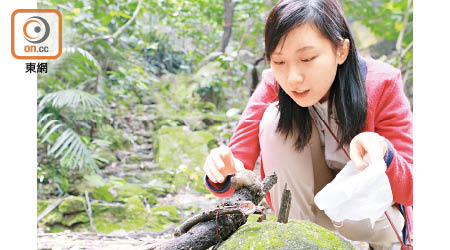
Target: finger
x=227, y=157
x=220, y=177
x=211, y=168
x=357, y=153
x=210, y=176
x=208, y=173
x=218, y=162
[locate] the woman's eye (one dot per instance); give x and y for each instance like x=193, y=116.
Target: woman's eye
x=308, y=59
x=279, y=63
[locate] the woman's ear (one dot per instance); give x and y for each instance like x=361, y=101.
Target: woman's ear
x=342, y=52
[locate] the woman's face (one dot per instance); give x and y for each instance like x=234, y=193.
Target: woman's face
x=305, y=64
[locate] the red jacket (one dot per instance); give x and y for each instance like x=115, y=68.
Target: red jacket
x=389, y=114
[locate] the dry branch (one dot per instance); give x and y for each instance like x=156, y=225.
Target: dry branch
x=224, y=223
x=211, y=214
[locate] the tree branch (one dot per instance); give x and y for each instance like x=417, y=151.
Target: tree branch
x=116, y=34
x=406, y=50
x=250, y=208
x=398, y=46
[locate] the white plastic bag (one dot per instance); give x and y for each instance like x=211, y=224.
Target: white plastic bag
x=355, y=194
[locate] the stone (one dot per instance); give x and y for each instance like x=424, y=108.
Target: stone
x=295, y=234
x=72, y=204
x=73, y=219
x=181, y=154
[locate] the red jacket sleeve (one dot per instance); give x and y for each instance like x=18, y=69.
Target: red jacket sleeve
x=393, y=120
x=245, y=140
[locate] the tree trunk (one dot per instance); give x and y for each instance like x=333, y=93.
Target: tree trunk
x=255, y=79
x=228, y=26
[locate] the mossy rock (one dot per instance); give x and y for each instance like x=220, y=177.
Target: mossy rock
x=137, y=218
x=72, y=204
x=42, y=205
x=108, y=218
x=73, y=219
x=300, y=235
x=181, y=154
x=53, y=218
x=127, y=190
x=103, y=193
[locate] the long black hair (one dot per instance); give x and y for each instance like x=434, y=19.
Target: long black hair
x=348, y=90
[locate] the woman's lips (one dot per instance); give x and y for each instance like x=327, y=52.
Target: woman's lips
x=300, y=94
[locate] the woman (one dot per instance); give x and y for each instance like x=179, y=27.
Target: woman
x=319, y=105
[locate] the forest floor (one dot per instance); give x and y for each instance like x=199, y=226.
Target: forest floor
x=140, y=136
x=121, y=240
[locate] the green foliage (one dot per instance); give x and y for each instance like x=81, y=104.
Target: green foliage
x=391, y=21
x=163, y=86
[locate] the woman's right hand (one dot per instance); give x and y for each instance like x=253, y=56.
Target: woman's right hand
x=220, y=163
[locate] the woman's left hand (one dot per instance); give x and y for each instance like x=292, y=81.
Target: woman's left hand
x=367, y=143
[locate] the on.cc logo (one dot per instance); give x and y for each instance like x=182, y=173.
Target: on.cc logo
x=39, y=26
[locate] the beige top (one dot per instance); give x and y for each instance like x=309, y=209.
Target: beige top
x=334, y=156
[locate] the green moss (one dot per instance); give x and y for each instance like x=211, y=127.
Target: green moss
x=72, y=219
x=72, y=204
x=57, y=229
x=107, y=218
x=151, y=198
x=81, y=227
x=135, y=158
x=53, y=218
x=300, y=235
x=137, y=218
x=106, y=224
x=254, y=217
x=103, y=193
x=128, y=190
x=42, y=205
x=181, y=153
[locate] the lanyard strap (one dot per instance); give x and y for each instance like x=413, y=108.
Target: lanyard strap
x=348, y=156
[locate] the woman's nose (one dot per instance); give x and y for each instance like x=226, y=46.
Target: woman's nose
x=295, y=77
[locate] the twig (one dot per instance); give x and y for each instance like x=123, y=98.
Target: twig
x=89, y=212
x=49, y=209
x=267, y=184
x=213, y=213
x=285, y=207
x=120, y=30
